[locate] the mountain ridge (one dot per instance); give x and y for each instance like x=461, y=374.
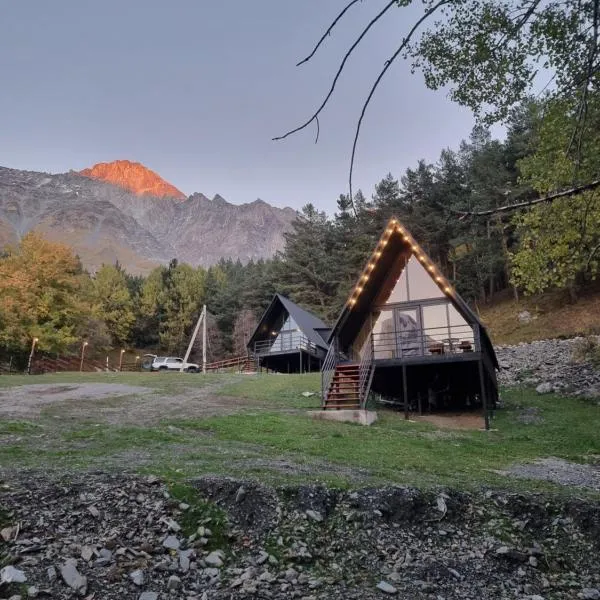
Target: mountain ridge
x=105, y=222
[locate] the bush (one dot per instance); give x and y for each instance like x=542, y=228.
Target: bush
x=588, y=350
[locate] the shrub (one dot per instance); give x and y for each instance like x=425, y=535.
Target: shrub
x=588, y=350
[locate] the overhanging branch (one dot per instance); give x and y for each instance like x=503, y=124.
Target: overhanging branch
x=387, y=65
x=329, y=30
x=339, y=73
x=527, y=203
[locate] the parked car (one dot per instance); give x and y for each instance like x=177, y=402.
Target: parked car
x=172, y=363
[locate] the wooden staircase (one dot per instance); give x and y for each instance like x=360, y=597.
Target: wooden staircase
x=344, y=390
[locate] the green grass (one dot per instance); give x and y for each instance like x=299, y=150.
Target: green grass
x=277, y=390
x=200, y=513
x=401, y=451
x=272, y=438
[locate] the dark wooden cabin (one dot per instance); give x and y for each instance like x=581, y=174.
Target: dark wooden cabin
x=406, y=334
x=289, y=339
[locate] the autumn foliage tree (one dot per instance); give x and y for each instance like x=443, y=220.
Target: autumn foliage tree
x=40, y=295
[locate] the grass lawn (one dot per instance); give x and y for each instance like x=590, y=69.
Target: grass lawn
x=270, y=437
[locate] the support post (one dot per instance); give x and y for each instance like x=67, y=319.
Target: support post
x=33, y=343
x=204, y=339
x=484, y=397
x=83, y=347
x=405, y=391
x=300, y=355
x=201, y=320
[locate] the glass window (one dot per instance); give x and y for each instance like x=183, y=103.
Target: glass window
x=287, y=337
x=415, y=283
x=459, y=327
x=435, y=322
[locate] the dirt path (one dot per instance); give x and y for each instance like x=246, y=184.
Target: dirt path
x=114, y=403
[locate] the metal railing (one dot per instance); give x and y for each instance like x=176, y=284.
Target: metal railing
x=366, y=370
x=286, y=343
x=328, y=370
x=432, y=341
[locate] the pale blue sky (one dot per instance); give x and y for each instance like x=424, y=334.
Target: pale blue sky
x=196, y=89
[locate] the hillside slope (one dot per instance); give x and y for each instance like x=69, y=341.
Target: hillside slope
x=552, y=315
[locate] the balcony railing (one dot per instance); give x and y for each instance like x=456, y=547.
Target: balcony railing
x=287, y=343
x=433, y=341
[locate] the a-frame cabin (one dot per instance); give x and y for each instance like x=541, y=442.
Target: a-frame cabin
x=289, y=339
x=406, y=334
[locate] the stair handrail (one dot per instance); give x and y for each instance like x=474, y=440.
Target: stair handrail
x=328, y=370
x=366, y=370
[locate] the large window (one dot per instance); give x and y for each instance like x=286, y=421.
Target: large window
x=415, y=330
x=288, y=337
x=415, y=283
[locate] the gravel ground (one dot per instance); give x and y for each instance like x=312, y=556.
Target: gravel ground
x=559, y=471
x=114, y=537
x=25, y=401
x=114, y=403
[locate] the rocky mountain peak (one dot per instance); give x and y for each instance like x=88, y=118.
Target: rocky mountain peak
x=135, y=177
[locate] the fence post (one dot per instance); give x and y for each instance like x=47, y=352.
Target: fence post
x=33, y=343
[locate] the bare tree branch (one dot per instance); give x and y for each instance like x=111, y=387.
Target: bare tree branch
x=328, y=32
x=527, y=203
x=582, y=109
x=387, y=65
x=339, y=72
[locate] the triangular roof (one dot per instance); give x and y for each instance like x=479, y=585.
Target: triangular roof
x=310, y=325
x=395, y=240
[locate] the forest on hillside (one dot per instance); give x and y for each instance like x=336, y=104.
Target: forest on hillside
x=45, y=293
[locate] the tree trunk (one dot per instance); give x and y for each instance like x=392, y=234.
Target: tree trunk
x=506, y=254
x=490, y=267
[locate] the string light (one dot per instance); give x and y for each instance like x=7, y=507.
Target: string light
x=371, y=266
x=447, y=290
x=352, y=301
x=378, y=253
x=431, y=268
x=384, y=243
x=359, y=289
x=365, y=277
x=439, y=279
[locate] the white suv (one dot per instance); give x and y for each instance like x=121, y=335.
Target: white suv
x=171, y=363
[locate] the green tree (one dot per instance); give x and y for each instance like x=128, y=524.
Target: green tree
x=112, y=303
x=307, y=267
x=559, y=243
x=171, y=301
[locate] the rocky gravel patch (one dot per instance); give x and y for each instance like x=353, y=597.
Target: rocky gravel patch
x=100, y=536
x=560, y=471
x=548, y=366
